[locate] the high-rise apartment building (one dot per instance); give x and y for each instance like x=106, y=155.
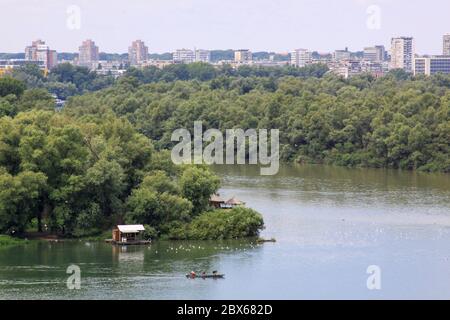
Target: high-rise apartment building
x=301, y=57
x=402, y=53
x=88, y=54
x=184, y=56
x=446, y=51
x=243, y=56
x=202, y=55
x=31, y=51
x=39, y=51
x=432, y=65
x=381, y=53
x=137, y=53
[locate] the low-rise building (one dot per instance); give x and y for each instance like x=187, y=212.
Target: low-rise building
x=270, y=63
x=110, y=68
x=184, y=56
x=202, y=56
x=431, y=65
x=7, y=66
x=158, y=63
x=342, y=55
x=350, y=68
x=374, y=54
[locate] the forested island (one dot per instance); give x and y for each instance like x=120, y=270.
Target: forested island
x=79, y=176
x=104, y=158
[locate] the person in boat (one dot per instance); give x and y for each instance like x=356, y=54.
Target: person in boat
x=214, y=273
x=203, y=274
x=193, y=274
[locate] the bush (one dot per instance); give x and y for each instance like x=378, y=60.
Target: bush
x=150, y=232
x=221, y=224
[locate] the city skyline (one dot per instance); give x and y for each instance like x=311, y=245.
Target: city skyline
x=445, y=48
x=373, y=60
x=278, y=27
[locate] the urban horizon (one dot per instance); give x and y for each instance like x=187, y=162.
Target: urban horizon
x=353, y=49
x=376, y=59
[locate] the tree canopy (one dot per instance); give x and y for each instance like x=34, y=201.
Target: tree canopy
x=9, y=85
x=64, y=80
x=80, y=176
x=389, y=122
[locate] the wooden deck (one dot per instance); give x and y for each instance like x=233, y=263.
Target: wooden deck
x=128, y=243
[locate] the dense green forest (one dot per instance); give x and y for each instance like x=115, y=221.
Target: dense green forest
x=397, y=121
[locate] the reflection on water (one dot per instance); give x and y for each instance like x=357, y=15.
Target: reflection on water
x=330, y=225
x=134, y=272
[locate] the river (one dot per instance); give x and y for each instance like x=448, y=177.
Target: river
x=330, y=224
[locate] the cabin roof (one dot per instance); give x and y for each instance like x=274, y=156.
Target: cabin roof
x=131, y=228
x=235, y=201
x=216, y=198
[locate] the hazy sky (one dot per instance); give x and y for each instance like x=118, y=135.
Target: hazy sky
x=278, y=25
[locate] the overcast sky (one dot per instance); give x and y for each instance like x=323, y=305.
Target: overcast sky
x=273, y=25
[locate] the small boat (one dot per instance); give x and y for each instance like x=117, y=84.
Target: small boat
x=260, y=240
x=205, y=276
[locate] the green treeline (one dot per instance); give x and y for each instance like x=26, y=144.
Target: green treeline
x=397, y=121
x=65, y=80
x=205, y=72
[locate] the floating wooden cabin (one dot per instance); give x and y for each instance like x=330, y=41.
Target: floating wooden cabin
x=217, y=202
x=128, y=235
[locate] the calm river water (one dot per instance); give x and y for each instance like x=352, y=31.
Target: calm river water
x=330, y=223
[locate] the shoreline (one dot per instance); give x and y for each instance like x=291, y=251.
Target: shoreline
x=100, y=239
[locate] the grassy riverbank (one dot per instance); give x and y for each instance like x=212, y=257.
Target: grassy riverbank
x=10, y=241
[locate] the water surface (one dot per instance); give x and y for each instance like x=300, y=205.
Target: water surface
x=330, y=225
